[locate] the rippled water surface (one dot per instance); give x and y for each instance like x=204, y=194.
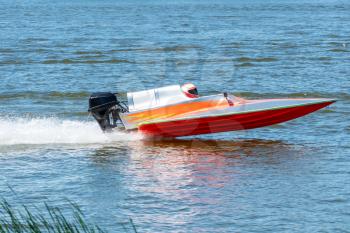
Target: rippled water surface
x=293, y=177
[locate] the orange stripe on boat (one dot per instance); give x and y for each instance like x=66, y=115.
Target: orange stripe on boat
x=184, y=109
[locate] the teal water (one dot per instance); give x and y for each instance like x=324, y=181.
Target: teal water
x=293, y=177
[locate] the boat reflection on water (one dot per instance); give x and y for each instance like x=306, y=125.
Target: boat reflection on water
x=239, y=147
x=175, y=163
x=190, y=177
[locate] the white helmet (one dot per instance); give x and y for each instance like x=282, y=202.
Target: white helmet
x=190, y=90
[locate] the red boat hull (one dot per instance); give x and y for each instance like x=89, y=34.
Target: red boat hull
x=224, y=123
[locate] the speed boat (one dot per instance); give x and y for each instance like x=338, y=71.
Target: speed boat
x=178, y=110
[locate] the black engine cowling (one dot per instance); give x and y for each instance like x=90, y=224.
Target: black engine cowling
x=104, y=108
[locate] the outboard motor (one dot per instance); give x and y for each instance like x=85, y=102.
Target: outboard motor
x=105, y=108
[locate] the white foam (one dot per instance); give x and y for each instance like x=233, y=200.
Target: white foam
x=52, y=130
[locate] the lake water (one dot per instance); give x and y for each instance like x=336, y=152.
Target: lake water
x=293, y=177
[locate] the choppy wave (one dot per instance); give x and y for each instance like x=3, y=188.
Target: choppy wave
x=56, y=95
x=15, y=131
x=176, y=48
x=340, y=50
x=339, y=96
x=71, y=61
x=81, y=60
x=100, y=53
x=257, y=59
x=245, y=64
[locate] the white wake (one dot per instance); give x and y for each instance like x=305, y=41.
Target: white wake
x=52, y=130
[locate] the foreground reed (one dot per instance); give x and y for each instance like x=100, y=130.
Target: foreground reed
x=32, y=220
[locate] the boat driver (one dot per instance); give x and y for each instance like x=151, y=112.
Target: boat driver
x=190, y=90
